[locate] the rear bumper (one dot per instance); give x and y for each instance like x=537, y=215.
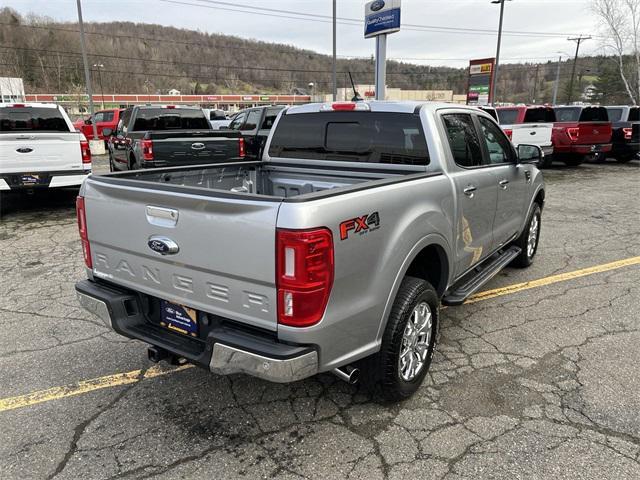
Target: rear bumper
x=584, y=149
x=56, y=179
x=626, y=148
x=225, y=348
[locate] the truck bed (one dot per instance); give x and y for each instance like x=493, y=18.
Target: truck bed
x=260, y=180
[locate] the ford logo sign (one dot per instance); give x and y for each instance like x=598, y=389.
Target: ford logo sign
x=378, y=5
x=163, y=245
x=197, y=146
x=24, y=150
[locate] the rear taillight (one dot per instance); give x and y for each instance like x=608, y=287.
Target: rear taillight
x=147, y=149
x=509, y=133
x=573, y=133
x=628, y=133
x=86, y=151
x=304, y=275
x=241, y=150
x=82, y=228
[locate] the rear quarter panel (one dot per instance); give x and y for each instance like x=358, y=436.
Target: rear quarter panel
x=369, y=264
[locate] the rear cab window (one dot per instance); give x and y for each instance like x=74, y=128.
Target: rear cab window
x=568, y=114
x=634, y=114
x=170, y=119
x=508, y=116
x=594, y=114
x=369, y=137
x=539, y=115
x=32, y=119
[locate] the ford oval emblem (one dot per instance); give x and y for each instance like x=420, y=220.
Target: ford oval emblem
x=378, y=5
x=24, y=150
x=197, y=146
x=163, y=245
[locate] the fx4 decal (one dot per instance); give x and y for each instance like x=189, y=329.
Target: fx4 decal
x=360, y=225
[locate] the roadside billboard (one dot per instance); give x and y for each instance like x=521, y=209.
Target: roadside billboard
x=480, y=81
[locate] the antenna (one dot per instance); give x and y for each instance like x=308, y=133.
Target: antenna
x=356, y=95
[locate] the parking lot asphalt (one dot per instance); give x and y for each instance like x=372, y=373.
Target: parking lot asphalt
x=536, y=381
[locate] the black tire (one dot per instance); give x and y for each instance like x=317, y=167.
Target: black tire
x=381, y=372
x=546, y=162
x=624, y=158
x=112, y=167
x=524, y=259
x=133, y=164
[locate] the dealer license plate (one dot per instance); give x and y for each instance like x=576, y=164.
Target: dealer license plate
x=179, y=318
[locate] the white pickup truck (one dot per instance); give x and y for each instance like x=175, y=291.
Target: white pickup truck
x=40, y=148
x=532, y=125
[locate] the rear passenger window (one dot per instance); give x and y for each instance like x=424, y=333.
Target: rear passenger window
x=269, y=120
x=252, y=120
x=463, y=139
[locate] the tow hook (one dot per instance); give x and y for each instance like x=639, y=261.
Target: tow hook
x=349, y=374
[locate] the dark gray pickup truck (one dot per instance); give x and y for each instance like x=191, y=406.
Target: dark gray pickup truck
x=166, y=136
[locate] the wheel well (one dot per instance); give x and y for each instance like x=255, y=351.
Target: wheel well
x=431, y=265
x=540, y=199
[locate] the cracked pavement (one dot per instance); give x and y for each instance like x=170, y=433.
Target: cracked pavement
x=541, y=383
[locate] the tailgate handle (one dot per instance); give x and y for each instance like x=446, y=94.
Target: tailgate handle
x=162, y=217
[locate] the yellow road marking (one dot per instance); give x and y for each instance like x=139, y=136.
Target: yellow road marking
x=120, y=379
x=85, y=386
x=562, y=277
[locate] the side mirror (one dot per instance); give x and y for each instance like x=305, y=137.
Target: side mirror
x=107, y=132
x=87, y=121
x=530, y=154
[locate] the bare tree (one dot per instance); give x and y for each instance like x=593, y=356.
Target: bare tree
x=621, y=31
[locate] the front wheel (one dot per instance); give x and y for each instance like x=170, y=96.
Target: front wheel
x=529, y=239
x=408, y=343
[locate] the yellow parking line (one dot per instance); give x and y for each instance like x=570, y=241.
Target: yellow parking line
x=120, y=379
x=85, y=386
x=562, y=277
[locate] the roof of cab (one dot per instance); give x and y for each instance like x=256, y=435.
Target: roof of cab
x=380, y=106
x=25, y=104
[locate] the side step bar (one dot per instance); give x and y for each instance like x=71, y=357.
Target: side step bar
x=472, y=282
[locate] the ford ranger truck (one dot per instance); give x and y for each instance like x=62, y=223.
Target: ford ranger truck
x=530, y=125
x=40, y=148
x=153, y=136
x=580, y=132
x=332, y=254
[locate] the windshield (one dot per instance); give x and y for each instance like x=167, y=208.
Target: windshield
x=372, y=137
x=32, y=119
x=170, y=119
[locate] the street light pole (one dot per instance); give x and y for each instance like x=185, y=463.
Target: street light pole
x=334, y=73
x=556, y=85
x=99, y=66
x=497, y=65
x=87, y=76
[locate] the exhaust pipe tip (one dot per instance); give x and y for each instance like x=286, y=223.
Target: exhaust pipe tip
x=348, y=374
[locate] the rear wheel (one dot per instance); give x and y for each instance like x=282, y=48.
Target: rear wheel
x=133, y=164
x=624, y=158
x=546, y=162
x=408, y=343
x=529, y=239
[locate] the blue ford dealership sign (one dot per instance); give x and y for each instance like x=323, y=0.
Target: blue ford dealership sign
x=381, y=17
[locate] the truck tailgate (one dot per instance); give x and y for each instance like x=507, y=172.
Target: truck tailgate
x=594, y=133
x=532, y=134
x=40, y=152
x=185, y=148
x=225, y=264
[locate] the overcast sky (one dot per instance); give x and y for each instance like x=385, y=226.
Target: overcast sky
x=437, y=48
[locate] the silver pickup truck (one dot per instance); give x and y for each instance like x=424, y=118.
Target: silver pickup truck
x=333, y=253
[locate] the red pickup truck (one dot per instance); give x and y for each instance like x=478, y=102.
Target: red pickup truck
x=579, y=132
x=104, y=119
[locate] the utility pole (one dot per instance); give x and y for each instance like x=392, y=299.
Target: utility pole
x=535, y=84
x=99, y=66
x=556, y=85
x=578, y=41
x=334, y=73
x=497, y=65
x=87, y=76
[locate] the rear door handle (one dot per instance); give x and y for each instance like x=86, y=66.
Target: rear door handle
x=468, y=191
x=503, y=183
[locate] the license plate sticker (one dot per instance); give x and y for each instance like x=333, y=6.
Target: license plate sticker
x=179, y=318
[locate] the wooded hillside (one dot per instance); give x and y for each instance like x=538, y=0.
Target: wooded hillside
x=153, y=58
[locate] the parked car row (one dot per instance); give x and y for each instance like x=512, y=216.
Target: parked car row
x=570, y=134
